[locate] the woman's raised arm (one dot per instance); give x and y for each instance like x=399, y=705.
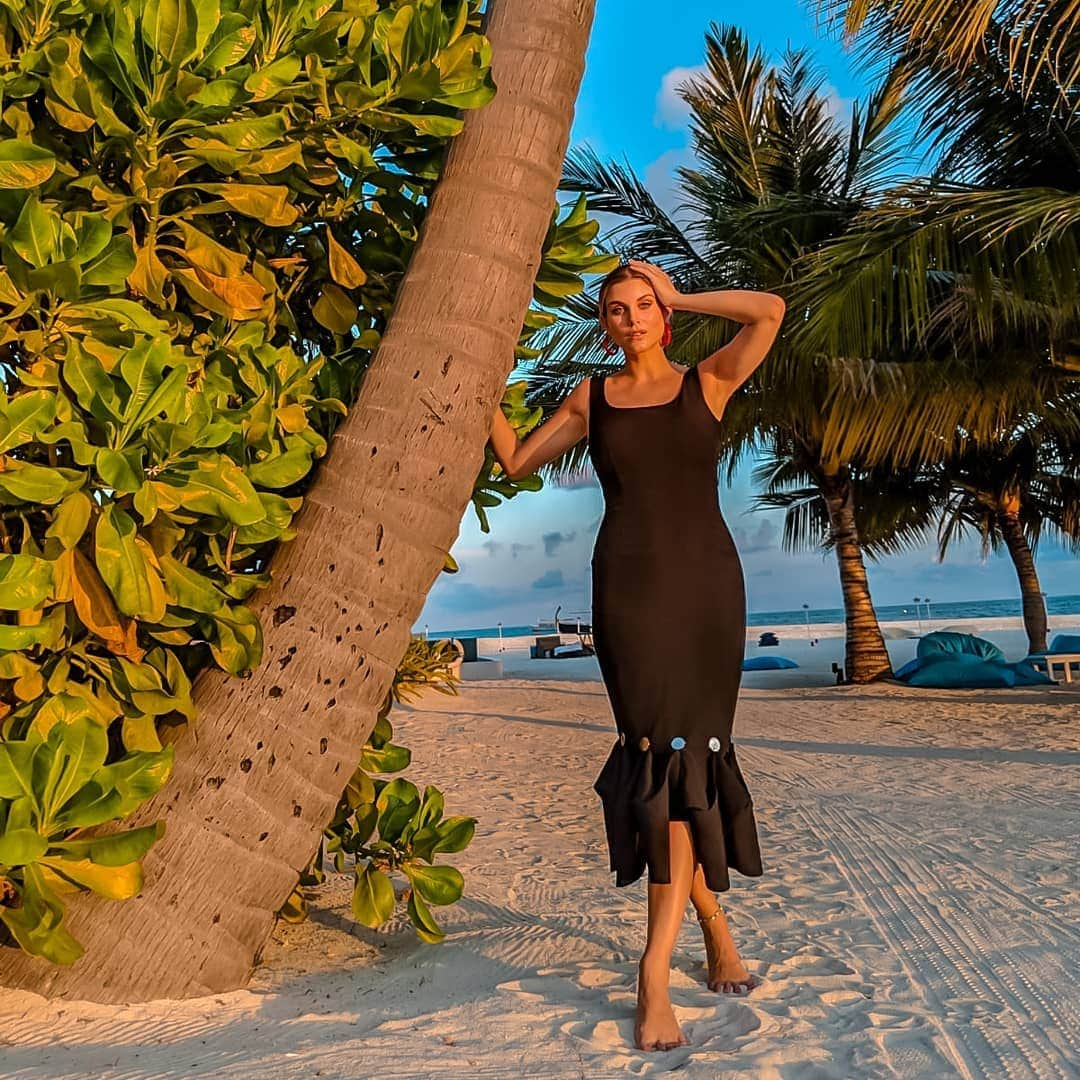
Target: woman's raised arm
x=566, y=426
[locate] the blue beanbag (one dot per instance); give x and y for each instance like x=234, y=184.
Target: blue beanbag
x=948, y=660
x=767, y=663
x=1029, y=675
x=962, y=672
x=907, y=669
x=952, y=644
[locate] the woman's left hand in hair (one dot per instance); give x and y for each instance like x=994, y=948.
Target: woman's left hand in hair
x=664, y=287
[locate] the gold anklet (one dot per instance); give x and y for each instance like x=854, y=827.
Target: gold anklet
x=718, y=911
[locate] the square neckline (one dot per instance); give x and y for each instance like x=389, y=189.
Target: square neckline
x=655, y=405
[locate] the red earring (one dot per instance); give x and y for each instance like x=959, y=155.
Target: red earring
x=609, y=346
x=666, y=339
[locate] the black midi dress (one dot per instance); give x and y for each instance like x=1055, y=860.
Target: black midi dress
x=668, y=615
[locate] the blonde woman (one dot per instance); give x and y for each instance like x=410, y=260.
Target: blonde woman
x=668, y=614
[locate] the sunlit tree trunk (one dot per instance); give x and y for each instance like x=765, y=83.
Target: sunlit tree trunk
x=260, y=771
x=866, y=657
x=1012, y=532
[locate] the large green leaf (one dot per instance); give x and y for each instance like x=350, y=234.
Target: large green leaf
x=436, y=884
x=116, y=849
x=189, y=588
x=37, y=923
x=335, y=310
x=21, y=846
x=373, y=897
x=46, y=633
x=25, y=581
x=281, y=470
x=70, y=518
x=34, y=234
x=426, y=927
x=31, y=483
x=176, y=30
x=23, y=417
x=117, y=789
x=212, y=485
x=16, y=778
x=24, y=164
x=134, y=583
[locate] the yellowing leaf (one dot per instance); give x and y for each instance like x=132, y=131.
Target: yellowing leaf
x=97, y=612
x=292, y=418
x=335, y=310
x=238, y=298
x=344, y=269
x=24, y=164
x=114, y=882
x=149, y=276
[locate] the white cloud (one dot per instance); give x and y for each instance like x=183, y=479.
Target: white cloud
x=671, y=111
x=838, y=107
x=662, y=182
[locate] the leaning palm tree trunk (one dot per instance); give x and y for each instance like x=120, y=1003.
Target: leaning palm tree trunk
x=1012, y=532
x=866, y=657
x=259, y=773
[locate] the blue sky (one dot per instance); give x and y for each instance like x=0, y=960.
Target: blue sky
x=537, y=553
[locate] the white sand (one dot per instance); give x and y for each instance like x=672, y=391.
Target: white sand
x=917, y=917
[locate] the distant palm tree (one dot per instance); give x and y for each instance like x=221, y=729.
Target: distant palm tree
x=1011, y=494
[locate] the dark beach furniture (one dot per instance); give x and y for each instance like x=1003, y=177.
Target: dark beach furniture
x=768, y=638
x=552, y=648
x=544, y=647
x=468, y=649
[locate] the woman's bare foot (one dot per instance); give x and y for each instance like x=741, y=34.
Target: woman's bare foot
x=726, y=972
x=655, y=1026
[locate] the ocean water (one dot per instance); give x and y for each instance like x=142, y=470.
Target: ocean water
x=952, y=611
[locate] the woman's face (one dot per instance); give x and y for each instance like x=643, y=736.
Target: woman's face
x=633, y=317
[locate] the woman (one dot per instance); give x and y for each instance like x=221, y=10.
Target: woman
x=668, y=614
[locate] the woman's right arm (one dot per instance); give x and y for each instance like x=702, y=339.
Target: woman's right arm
x=566, y=426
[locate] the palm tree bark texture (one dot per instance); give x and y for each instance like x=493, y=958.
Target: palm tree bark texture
x=866, y=657
x=259, y=773
x=1034, y=609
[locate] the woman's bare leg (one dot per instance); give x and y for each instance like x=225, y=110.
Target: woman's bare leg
x=726, y=971
x=655, y=1026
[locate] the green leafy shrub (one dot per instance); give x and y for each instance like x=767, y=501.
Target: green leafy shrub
x=55, y=784
x=386, y=826
x=206, y=208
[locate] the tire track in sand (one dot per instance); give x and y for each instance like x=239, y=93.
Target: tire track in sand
x=951, y=951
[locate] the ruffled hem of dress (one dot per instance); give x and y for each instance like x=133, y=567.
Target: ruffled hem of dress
x=637, y=788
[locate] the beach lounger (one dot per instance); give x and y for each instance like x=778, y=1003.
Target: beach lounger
x=1064, y=651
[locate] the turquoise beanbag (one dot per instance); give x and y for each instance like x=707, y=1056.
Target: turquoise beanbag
x=767, y=663
x=947, y=660
x=1029, y=675
x=962, y=672
x=950, y=643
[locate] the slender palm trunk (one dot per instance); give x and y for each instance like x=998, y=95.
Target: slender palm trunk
x=1008, y=521
x=252, y=792
x=866, y=657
